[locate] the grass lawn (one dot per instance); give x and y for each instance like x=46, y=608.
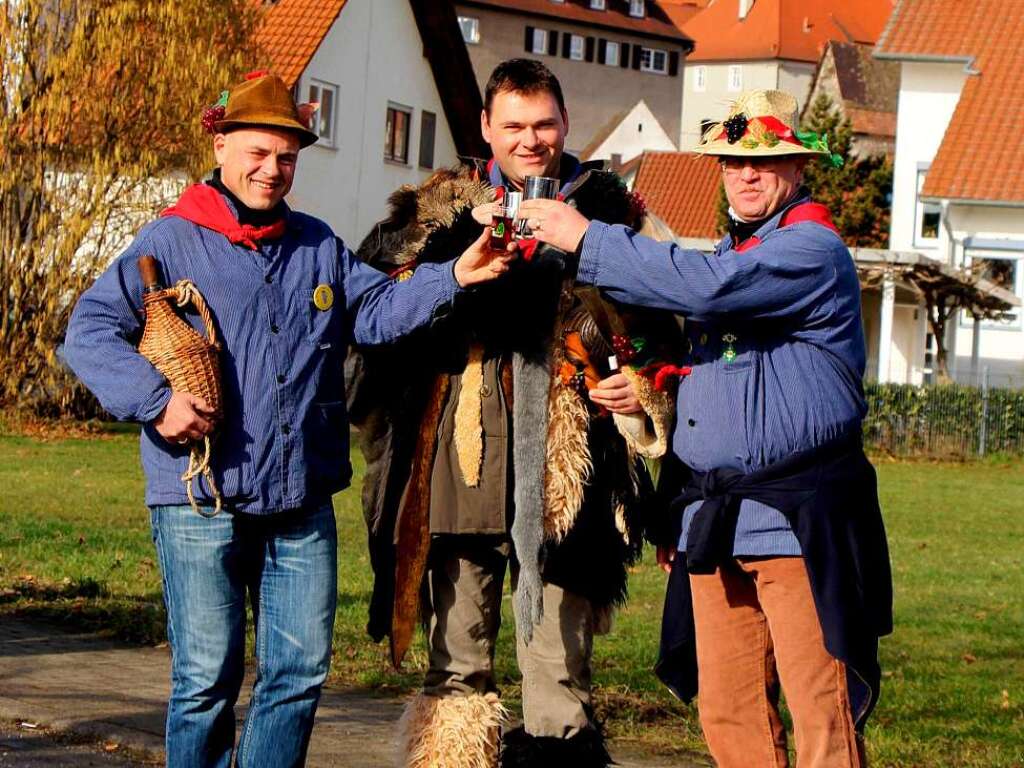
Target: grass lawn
x=75, y=545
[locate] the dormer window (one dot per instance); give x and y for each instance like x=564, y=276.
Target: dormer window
x=636, y=8
x=597, y=5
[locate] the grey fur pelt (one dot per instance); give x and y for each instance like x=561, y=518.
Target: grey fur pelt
x=531, y=382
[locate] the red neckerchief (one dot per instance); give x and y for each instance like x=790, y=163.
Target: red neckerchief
x=205, y=206
x=808, y=211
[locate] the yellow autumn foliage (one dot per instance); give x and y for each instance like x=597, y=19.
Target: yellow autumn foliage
x=100, y=104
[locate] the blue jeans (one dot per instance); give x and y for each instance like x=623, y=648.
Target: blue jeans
x=288, y=564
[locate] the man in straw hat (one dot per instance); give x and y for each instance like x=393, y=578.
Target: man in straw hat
x=781, y=569
x=288, y=297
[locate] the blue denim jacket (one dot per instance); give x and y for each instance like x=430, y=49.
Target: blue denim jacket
x=283, y=441
x=775, y=340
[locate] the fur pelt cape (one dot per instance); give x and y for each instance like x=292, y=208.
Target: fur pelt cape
x=579, y=490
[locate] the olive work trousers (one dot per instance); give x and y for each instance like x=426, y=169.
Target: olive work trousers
x=465, y=577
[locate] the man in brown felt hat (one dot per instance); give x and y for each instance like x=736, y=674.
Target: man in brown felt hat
x=287, y=297
x=779, y=566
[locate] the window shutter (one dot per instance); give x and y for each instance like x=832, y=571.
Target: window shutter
x=673, y=63
x=602, y=51
x=589, y=52
x=528, y=45
x=624, y=55
x=636, y=57
x=566, y=45
x=552, y=42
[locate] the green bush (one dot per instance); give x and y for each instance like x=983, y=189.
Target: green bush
x=943, y=420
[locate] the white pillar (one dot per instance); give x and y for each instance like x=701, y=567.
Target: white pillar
x=975, y=349
x=885, y=328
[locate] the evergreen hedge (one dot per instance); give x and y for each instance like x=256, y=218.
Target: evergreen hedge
x=943, y=420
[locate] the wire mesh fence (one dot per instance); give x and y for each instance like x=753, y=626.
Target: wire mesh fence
x=944, y=420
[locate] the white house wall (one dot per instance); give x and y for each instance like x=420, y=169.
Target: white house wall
x=639, y=131
x=1001, y=344
x=929, y=93
x=374, y=54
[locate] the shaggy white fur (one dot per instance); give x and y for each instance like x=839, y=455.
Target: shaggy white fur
x=568, y=464
x=468, y=430
x=451, y=731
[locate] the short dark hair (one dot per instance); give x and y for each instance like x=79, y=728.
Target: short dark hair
x=522, y=76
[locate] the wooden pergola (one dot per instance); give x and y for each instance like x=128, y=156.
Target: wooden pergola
x=944, y=289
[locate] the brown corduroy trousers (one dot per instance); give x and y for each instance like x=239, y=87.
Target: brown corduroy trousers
x=757, y=627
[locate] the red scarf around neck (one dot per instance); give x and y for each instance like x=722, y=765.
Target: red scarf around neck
x=205, y=206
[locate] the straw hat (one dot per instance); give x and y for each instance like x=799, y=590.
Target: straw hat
x=261, y=100
x=763, y=124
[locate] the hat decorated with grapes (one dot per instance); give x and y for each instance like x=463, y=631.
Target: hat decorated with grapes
x=763, y=123
x=261, y=100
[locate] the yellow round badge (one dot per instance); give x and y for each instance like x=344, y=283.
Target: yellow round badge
x=323, y=297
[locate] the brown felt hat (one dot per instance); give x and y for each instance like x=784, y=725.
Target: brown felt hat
x=262, y=100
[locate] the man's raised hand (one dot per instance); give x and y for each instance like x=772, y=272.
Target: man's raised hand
x=554, y=222
x=480, y=263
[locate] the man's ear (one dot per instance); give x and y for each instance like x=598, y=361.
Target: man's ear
x=565, y=120
x=219, y=147
x=485, y=126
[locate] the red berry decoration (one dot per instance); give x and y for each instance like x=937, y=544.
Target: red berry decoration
x=211, y=116
x=735, y=127
x=623, y=348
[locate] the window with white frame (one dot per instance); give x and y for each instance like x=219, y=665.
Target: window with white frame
x=654, y=60
x=736, y=77
x=636, y=8
x=576, y=45
x=539, y=41
x=700, y=79
x=597, y=5
x=927, y=216
x=326, y=95
x=470, y=26
x=1003, y=268
x=611, y=54
x=396, y=133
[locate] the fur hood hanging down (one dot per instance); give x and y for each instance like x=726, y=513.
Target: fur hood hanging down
x=577, y=493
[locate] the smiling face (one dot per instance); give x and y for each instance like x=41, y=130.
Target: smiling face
x=257, y=164
x=757, y=186
x=526, y=132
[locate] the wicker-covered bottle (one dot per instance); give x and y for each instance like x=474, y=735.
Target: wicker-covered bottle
x=190, y=362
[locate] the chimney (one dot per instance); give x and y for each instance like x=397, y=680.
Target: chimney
x=745, y=6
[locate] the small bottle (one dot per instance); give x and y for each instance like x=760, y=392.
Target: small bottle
x=149, y=271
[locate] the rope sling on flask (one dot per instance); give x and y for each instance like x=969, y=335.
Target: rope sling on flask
x=189, y=362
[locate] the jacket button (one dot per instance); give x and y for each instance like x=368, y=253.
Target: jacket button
x=485, y=391
x=691, y=422
x=274, y=328
x=268, y=279
x=280, y=378
x=285, y=429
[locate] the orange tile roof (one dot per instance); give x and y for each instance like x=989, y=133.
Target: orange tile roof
x=979, y=158
x=682, y=189
x=291, y=32
x=795, y=30
x=655, y=23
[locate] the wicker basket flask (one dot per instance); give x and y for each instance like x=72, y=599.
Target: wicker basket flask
x=188, y=361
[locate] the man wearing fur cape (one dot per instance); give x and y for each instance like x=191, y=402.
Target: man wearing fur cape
x=503, y=433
